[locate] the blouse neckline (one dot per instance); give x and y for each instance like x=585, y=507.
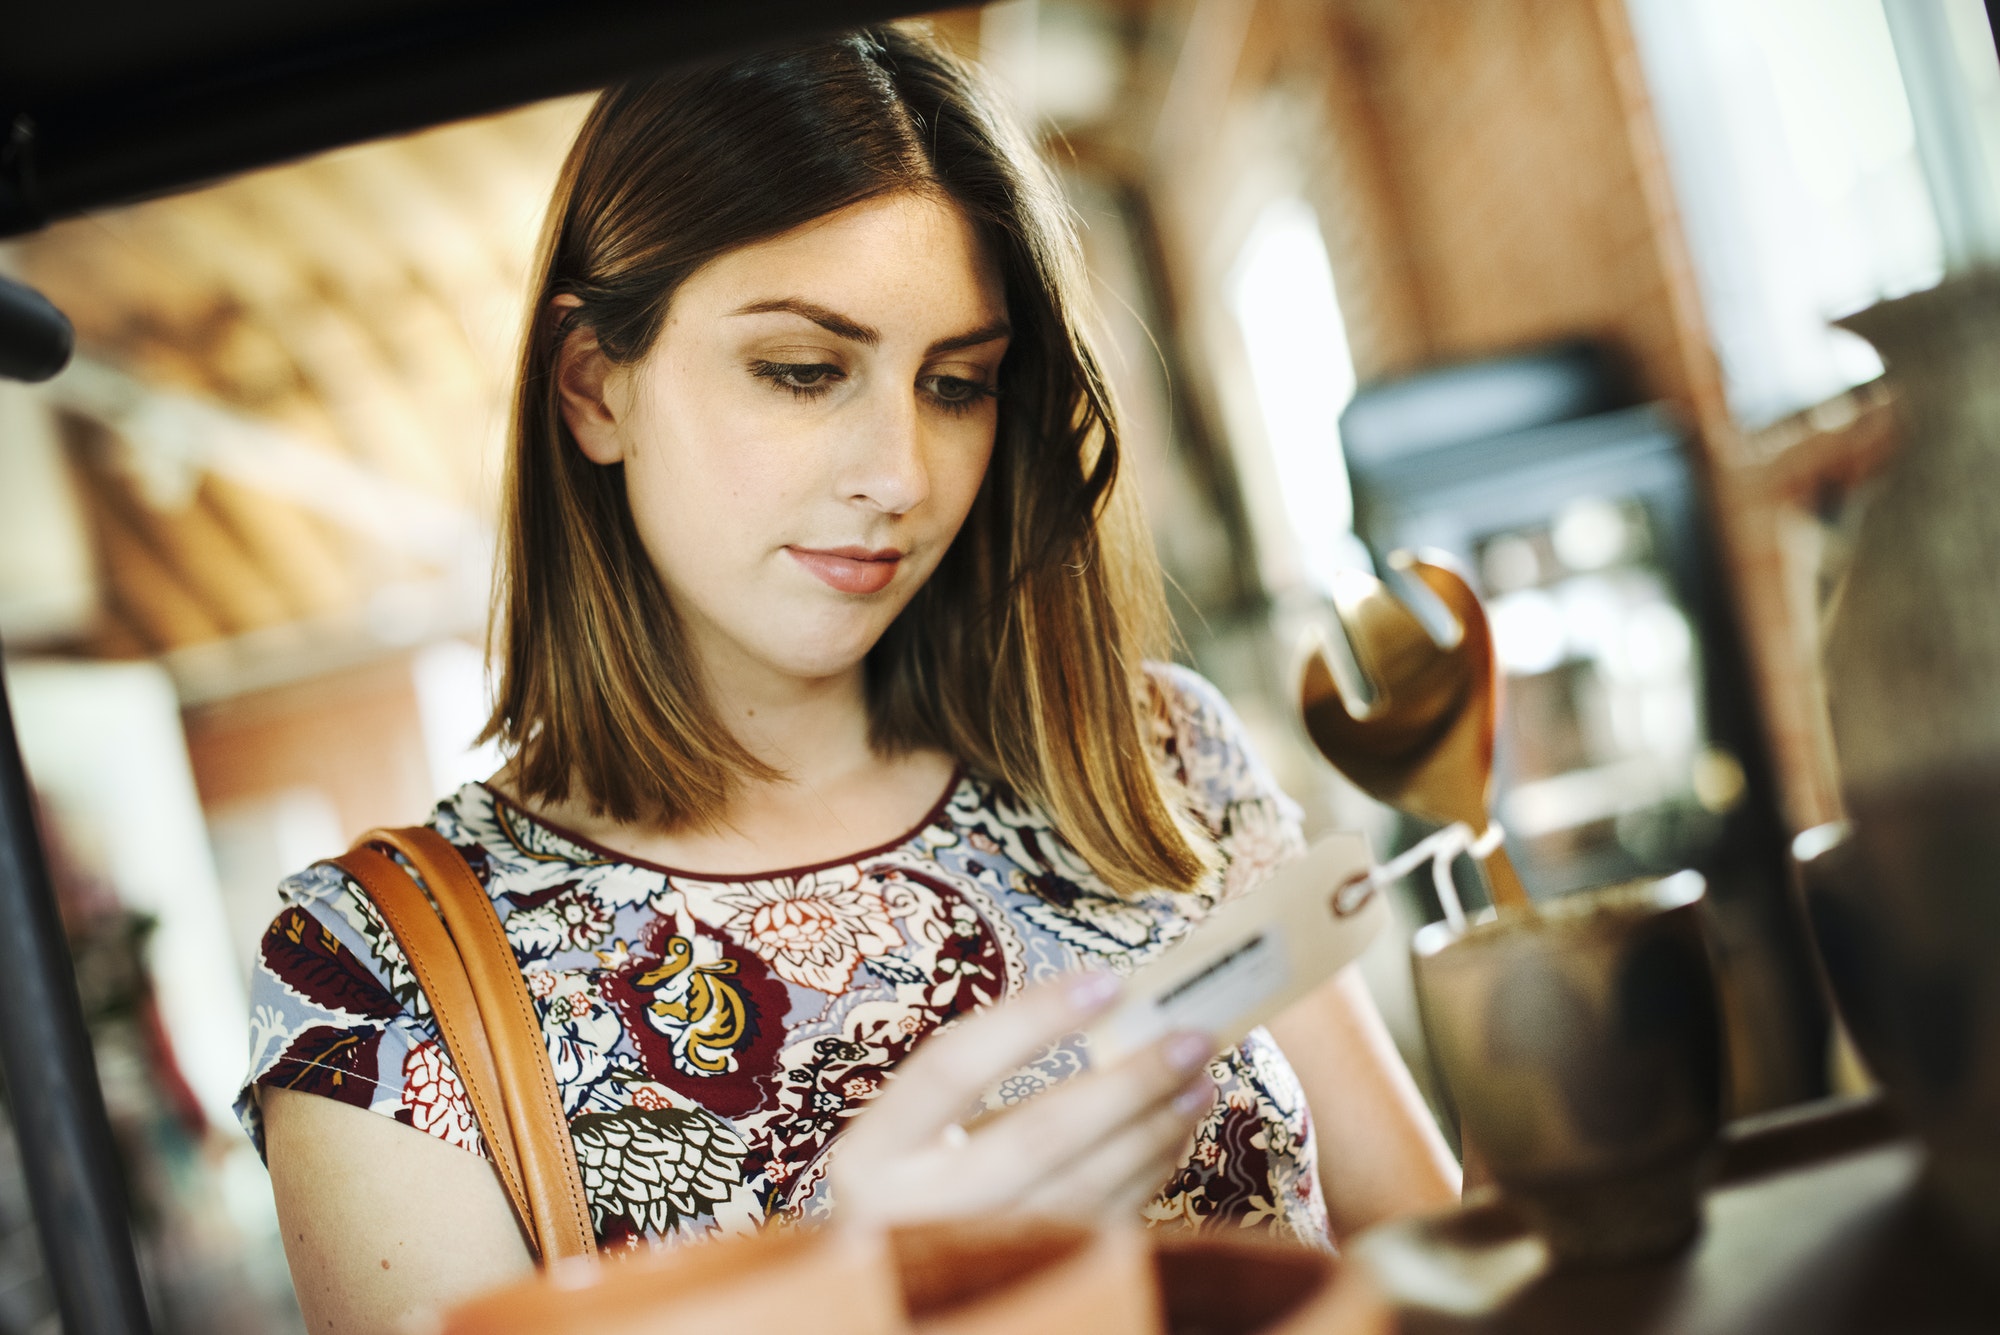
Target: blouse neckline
x=959, y=777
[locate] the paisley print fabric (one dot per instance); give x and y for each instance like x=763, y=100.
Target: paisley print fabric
x=710, y=1034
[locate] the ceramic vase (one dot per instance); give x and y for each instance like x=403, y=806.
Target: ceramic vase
x=1905, y=902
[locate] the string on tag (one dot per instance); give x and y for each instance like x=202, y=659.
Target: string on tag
x=1441, y=849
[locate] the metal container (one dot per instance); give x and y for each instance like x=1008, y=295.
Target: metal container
x=1582, y=1048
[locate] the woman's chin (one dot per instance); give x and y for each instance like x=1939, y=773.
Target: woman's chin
x=811, y=658
x=835, y=640
x=803, y=638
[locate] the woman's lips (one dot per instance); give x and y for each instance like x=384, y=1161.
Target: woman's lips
x=849, y=569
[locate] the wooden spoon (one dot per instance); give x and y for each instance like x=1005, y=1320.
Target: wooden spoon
x=1406, y=706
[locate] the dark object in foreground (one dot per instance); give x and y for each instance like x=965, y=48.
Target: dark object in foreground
x=35, y=338
x=66, y=1149
x=1905, y=910
x=106, y=103
x=1816, y=1222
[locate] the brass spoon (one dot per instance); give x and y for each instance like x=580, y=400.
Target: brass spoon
x=1406, y=706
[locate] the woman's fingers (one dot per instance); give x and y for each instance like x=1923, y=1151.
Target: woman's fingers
x=1075, y=1116
x=1039, y=1137
x=937, y=1083
x=1102, y=1141
x=1140, y=1189
x=1125, y=1169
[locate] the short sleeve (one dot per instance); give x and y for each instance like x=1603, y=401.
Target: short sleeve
x=1255, y=823
x=336, y=1011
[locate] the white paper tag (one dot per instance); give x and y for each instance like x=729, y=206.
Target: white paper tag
x=1253, y=956
x=1242, y=980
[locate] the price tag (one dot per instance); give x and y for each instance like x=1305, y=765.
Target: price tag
x=1254, y=955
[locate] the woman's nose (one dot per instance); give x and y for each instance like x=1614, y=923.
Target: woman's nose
x=886, y=466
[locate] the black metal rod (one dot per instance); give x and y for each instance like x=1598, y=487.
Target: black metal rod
x=59, y=1122
x=349, y=71
x=35, y=338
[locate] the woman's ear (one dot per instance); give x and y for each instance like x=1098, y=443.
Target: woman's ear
x=583, y=379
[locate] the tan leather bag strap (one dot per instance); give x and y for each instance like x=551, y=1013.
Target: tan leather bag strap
x=435, y=962
x=543, y=1151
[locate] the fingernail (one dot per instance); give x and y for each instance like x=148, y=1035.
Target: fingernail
x=1195, y=1098
x=1187, y=1050
x=1090, y=991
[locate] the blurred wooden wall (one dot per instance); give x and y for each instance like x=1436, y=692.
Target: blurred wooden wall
x=354, y=736
x=1523, y=196
x=1489, y=176
x=1494, y=178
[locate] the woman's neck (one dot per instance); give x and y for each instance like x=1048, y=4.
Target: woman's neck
x=811, y=731
x=835, y=794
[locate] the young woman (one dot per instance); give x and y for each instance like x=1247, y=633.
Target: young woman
x=815, y=543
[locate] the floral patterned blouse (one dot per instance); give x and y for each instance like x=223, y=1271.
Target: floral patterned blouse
x=711, y=1033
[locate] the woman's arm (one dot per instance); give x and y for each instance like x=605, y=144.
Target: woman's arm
x=382, y=1222
x=1380, y=1153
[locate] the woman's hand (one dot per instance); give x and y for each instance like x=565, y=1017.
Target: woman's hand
x=1097, y=1146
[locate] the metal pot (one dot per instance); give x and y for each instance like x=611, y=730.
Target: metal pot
x=1582, y=1047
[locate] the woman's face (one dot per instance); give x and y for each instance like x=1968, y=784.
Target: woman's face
x=809, y=431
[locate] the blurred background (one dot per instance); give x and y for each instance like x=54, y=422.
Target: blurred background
x=1542, y=283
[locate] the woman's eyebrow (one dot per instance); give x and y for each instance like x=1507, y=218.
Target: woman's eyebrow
x=855, y=332
x=831, y=321
x=999, y=329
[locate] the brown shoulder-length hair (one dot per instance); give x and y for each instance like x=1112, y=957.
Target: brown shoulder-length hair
x=1022, y=656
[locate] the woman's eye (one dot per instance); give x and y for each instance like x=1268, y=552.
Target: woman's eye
x=955, y=393
x=806, y=379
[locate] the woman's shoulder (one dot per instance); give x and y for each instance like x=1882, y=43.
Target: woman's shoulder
x=328, y=945
x=1207, y=750
x=1203, y=742
x=336, y=1008
x=325, y=890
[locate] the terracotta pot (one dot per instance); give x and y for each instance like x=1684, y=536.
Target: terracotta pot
x=1218, y=1285
x=1002, y=1277
x=780, y=1281
x=969, y=1278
